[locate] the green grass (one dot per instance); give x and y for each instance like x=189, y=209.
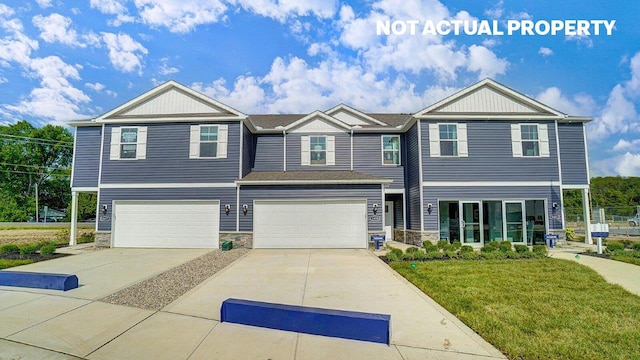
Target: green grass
x=625, y=258
x=535, y=309
x=5, y=263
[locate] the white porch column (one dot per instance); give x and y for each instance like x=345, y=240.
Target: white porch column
x=74, y=218
x=586, y=212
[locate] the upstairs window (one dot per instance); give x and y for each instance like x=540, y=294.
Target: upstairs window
x=128, y=143
x=529, y=140
x=448, y=140
x=317, y=150
x=390, y=150
x=208, y=141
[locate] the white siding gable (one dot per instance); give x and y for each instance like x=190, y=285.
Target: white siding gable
x=317, y=126
x=172, y=102
x=486, y=100
x=349, y=119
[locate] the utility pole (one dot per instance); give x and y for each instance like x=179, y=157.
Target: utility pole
x=37, y=213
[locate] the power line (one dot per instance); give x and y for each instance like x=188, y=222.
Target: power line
x=39, y=141
x=35, y=173
x=34, y=166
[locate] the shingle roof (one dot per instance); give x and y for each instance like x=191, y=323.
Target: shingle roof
x=318, y=176
x=271, y=121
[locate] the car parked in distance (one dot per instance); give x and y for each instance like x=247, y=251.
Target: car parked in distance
x=634, y=221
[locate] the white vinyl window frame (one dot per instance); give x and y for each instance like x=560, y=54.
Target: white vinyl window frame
x=221, y=142
x=517, y=142
x=461, y=141
x=305, y=150
x=117, y=143
x=390, y=155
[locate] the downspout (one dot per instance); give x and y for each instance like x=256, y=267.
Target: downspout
x=284, y=150
x=351, y=149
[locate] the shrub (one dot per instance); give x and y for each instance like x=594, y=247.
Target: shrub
x=571, y=234
x=491, y=247
x=28, y=249
x=391, y=256
x=540, y=250
x=614, y=246
x=86, y=237
x=48, y=249
x=411, y=249
x=9, y=249
x=469, y=255
x=442, y=244
x=451, y=254
x=521, y=248
x=466, y=249
x=636, y=246
x=429, y=246
x=396, y=252
x=456, y=245
x=512, y=254
x=433, y=255
x=505, y=246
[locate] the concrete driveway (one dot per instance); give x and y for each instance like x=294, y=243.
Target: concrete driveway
x=36, y=324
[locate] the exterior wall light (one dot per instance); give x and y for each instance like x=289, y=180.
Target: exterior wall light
x=375, y=208
x=554, y=206
x=103, y=209
x=245, y=208
x=227, y=209
x=429, y=208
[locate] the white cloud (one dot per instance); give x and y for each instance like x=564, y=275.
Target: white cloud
x=180, y=16
x=165, y=69
x=55, y=28
x=618, y=116
x=97, y=87
x=6, y=11
x=485, y=62
x=624, y=145
x=3, y=80
x=580, y=105
x=545, y=51
x=44, y=3
x=496, y=11
x=627, y=164
x=125, y=53
x=112, y=7
x=282, y=9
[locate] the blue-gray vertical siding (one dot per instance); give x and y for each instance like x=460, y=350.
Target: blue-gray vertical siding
x=490, y=156
x=373, y=194
x=168, y=160
x=572, y=154
x=455, y=193
x=86, y=158
x=412, y=175
x=225, y=195
x=268, y=152
x=342, y=152
x=247, y=150
x=367, y=158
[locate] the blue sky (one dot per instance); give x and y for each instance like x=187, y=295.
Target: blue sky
x=63, y=60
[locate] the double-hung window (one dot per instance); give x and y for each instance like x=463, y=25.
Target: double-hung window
x=128, y=143
x=530, y=140
x=317, y=150
x=390, y=150
x=208, y=142
x=448, y=140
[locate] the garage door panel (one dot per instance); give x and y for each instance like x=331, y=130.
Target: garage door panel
x=166, y=224
x=310, y=224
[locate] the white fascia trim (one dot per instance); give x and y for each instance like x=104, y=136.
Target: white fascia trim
x=420, y=175
x=586, y=152
x=572, y=187
x=314, y=182
x=73, y=157
x=394, y=191
x=84, y=189
x=488, y=183
x=489, y=117
x=151, y=120
x=167, y=185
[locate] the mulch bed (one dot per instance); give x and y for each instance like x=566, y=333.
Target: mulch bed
x=34, y=257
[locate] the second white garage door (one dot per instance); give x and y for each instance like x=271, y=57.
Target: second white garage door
x=310, y=224
x=166, y=224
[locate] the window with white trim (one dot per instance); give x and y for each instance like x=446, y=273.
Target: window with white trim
x=390, y=150
x=530, y=140
x=317, y=150
x=208, y=142
x=128, y=143
x=448, y=140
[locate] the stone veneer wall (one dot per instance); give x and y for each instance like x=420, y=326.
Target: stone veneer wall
x=103, y=239
x=415, y=238
x=239, y=239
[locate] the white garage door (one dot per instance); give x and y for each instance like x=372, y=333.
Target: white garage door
x=310, y=224
x=166, y=224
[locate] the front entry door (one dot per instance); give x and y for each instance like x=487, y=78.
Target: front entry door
x=471, y=223
x=388, y=219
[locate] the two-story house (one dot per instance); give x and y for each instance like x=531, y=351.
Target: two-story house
x=175, y=168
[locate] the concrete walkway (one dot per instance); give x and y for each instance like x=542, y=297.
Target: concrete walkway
x=37, y=324
x=615, y=272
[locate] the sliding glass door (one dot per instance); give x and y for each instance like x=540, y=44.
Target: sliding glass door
x=515, y=225
x=471, y=223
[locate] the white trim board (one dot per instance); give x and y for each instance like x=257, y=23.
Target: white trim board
x=167, y=185
x=488, y=183
x=84, y=189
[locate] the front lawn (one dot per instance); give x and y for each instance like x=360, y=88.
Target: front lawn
x=7, y=263
x=535, y=309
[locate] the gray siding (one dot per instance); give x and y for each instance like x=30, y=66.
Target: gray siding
x=225, y=195
x=490, y=157
x=86, y=163
x=168, y=158
x=367, y=158
x=247, y=150
x=269, y=153
x=433, y=194
x=413, y=178
x=373, y=194
x=572, y=156
x=398, y=218
x=343, y=153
